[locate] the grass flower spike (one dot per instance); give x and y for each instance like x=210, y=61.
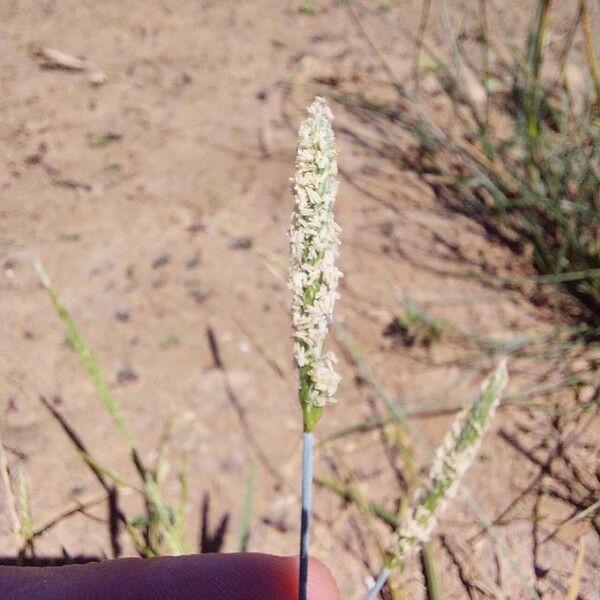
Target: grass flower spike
x=314, y=242
x=453, y=458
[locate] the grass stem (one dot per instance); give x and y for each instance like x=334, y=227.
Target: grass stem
x=379, y=583
x=307, y=479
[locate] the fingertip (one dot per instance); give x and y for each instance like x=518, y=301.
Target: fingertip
x=321, y=584
x=200, y=577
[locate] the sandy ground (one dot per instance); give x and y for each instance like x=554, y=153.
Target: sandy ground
x=174, y=224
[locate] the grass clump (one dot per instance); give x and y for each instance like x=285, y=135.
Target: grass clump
x=517, y=145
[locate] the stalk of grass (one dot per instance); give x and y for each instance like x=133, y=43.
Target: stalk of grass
x=10, y=499
x=25, y=513
x=70, y=508
x=453, y=458
x=485, y=60
x=573, y=592
x=183, y=504
x=589, y=512
x=590, y=51
x=401, y=414
x=102, y=474
x=434, y=589
x=244, y=534
x=151, y=493
x=423, y=19
x=313, y=279
x=397, y=415
x=90, y=364
x=351, y=495
x=102, y=470
x=165, y=517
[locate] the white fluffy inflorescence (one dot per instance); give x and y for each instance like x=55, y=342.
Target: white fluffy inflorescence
x=452, y=460
x=314, y=243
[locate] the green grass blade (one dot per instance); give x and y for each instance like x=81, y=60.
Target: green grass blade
x=434, y=589
x=244, y=534
x=350, y=495
x=164, y=518
x=98, y=467
x=87, y=358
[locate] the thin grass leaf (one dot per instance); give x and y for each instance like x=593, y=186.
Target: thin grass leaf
x=150, y=491
x=70, y=508
x=350, y=495
x=101, y=469
x=165, y=518
x=10, y=496
x=183, y=504
x=589, y=512
x=87, y=358
x=244, y=534
x=25, y=511
x=573, y=593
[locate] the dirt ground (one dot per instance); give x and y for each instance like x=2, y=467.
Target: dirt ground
x=154, y=187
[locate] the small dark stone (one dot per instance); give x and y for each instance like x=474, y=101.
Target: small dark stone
x=360, y=381
x=161, y=260
x=193, y=262
x=541, y=571
x=262, y=93
x=387, y=228
x=241, y=243
x=122, y=315
x=197, y=227
x=199, y=295
x=399, y=332
x=126, y=375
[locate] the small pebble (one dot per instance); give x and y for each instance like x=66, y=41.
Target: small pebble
x=199, y=295
x=126, y=375
x=122, y=315
x=245, y=346
x=262, y=93
x=161, y=260
x=241, y=243
x=193, y=262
